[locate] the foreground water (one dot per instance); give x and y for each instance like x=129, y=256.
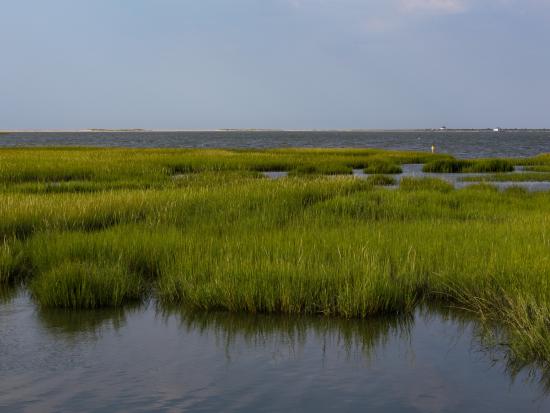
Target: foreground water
x=149, y=359
x=464, y=144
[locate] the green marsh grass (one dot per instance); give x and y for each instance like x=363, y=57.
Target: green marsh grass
x=469, y=166
x=380, y=166
x=382, y=180
x=86, y=285
x=508, y=177
x=13, y=265
x=430, y=184
x=90, y=228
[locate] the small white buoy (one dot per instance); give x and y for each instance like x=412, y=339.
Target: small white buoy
x=433, y=148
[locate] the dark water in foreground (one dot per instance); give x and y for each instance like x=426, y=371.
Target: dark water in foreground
x=470, y=144
x=146, y=359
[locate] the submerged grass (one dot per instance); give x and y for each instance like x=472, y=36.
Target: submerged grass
x=87, y=228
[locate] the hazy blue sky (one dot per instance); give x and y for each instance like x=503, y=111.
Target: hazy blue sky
x=274, y=63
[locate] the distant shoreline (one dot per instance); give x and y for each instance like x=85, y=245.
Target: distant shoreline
x=264, y=130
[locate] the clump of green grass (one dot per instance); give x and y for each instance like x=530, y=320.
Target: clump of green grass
x=6, y=264
x=13, y=266
x=468, y=166
x=506, y=177
x=425, y=184
x=86, y=285
x=380, y=166
x=326, y=169
x=382, y=180
x=538, y=168
x=516, y=191
x=283, y=275
x=481, y=187
x=445, y=166
x=490, y=165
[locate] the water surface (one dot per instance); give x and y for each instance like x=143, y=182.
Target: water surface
x=149, y=359
x=464, y=144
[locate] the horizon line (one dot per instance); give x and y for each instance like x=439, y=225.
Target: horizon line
x=137, y=130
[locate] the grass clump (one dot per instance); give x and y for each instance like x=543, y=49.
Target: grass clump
x=287, y=273
x=381, y=180
x=13, y=266
x=425, y=184
x=86, y=285
x=506, y=177
x=538, y=168
x=382, y=167
x=490, y=165
x=327, y=169
x=468, y=166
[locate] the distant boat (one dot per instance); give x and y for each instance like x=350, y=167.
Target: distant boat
x=497, y=130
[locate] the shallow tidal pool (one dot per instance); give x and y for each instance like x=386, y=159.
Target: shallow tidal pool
x=153, y=359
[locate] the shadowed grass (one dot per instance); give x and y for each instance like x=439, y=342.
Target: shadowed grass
x=469, y=166
x=381, y=166
x=13, y=264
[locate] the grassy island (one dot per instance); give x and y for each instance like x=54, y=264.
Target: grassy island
x=83, y=228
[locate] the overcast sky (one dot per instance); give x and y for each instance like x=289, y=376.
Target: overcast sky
x=201, y=64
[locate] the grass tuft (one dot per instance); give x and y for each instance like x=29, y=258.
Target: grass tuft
x=382, y=180
x=86, y=285
x=468, y=166
x=425, y=184
x=379, y=166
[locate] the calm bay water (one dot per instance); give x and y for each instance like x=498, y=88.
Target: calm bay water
x=148, y=359
x=470, y=144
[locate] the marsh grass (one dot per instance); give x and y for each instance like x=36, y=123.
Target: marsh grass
x=58, y=165
x=429, y=184
x=469, y=166
x=86, y=228
x=321, y=169
x=86, y=285
x=381, y=180
x=382, y=166
x=539, y=168
x=509, y=177
x=13, y=263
